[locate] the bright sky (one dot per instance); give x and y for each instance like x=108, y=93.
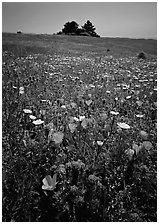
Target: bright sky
x=111, y=19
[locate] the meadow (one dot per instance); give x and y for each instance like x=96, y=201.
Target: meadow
x=79, y=129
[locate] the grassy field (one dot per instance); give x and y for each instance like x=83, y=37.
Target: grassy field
x=50, y=44
x=79, y=129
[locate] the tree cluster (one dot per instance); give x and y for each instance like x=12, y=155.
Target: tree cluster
x=72, y=28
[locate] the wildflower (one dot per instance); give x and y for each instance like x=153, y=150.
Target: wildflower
x=57, y=137
x=136, y=148
x=123, y=125
x=38, y=122
x=130, y=153
x=119, y=130
x=73, y=105
x=81, y=118
x=63, y=107
x=75, y=118
x=43, y=112
x=49, y=183
x=32, y=117
x=128, y=97
x=62, y=169
x=92, y=178
x=139, y=103
x=139, y=115
x=92, y=86
x=21, y=90
x=27, y=111
x=88, y=102
x=103, y=116
x=144, y=135
x=100, y=143
x=78, y=164
x=147, y=145
x=114, y=113
x=155, y=88
x=72, y=127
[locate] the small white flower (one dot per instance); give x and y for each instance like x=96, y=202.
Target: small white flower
x=21, y=92
x=21, y=88
x=75, y=118
x=139, y=115
x=63, y=107
x=27, y=111
x=130, y=153
x=155, y=88
x=49, y=183
x=100, y=143
x=38, y=122
x=81, y=118
x=114, y=113
x=128, y=97
x=32, y=117
x=123, y=125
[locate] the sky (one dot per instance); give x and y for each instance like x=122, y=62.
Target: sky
x=111, y=19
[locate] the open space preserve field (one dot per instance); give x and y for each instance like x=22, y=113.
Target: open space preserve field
x=79, y=129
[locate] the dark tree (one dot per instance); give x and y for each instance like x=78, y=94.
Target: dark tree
x=89, y=27
x=70, y=27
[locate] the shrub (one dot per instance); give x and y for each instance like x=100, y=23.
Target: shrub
x=142, y=55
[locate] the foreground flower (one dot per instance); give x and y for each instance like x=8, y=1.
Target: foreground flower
x=49, y=183
x=130, y=153
x=144, y=135
x=57, y=137
x=103, y=116
x=123, y=125
x=136, y=148
x=38, y=122
x=72, y=127
x=147, y=145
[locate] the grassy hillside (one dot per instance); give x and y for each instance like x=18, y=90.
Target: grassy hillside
x=23, y=44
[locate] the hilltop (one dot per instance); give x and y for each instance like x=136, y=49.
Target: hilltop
x=43, y=43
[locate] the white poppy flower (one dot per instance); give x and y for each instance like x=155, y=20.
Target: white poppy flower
x=49, y=183
x=100, y=143
x=114, y=113
x=123, y=125
x=128, y=97
x=38, y=122
x=139, y=115
x=32, y=117
x=144, y=135
x=27, y=111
